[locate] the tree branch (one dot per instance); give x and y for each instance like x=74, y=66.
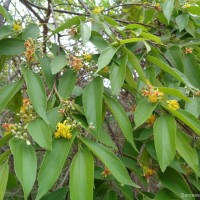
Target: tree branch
x=84, y=6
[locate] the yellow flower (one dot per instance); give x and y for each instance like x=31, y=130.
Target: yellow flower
x=88, y=57
x=173, y=104
x=148, y=171
x=63, y=130
x=187, y=5
x=105, y=69
x=151, y=119
x=98, y=10
x=157, y=7
x=17, y=27
x=106, y=172
x=188, y=50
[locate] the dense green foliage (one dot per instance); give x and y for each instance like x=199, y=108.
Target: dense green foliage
x=100, y=100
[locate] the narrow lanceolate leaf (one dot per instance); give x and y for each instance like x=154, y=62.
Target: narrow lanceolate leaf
x=174, y=92
x=187, y=118
x=41, y=133
x=169, y=180
x=36, y=92
x=117, y=74
x=85, y=33
x=25, y=164
x=189, y=154
x=165, y=140
x=106, y=56
x=4, y=169
x=8, y=92
x=11, y=46
x=58, y=63
x=67, y=83
x=82, y=176
x=92, y=102
x=135, y=64
x=143, y=111
x=121, y=118
x=52, y=164
x=168, y=8
x=111, y=161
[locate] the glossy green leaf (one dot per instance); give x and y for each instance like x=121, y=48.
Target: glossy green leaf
x=11, y=46
x=173, y=92
x=110, y=195
x=59, y=194
x=4, y=156
x=193, y=106
x=82, y=176
x=67, y=83
x=143, y=111
x=195, y=10
x=5, y=31
x=131, y=40
x=92, y=102
x=117, y=74
x=192, y=69
x=8, y=92
x=5, y=139
x=85, y=33
x=41, y=133
x=4, y=169
x=135, y=64
x=111, y=161
x=168, y=7
x=36, y=92
x=130, y=79
x=6, y=15
x=165, y=140
x=166, y=194
x=50, y=168
x=149, y=36
x=187, y=118
x=58, y=63
x=190, y=28
x=31, y=31
x=3, y=60
x=182, y=21
x=121, y=118
x=25, y=163
x=106, y=57
x=189, y=154
x=169, y=180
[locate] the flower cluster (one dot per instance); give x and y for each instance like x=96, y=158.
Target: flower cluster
x=17, y=27
x=147, y=172
x=30, y=50
x=188, y=50
x=73, y=31
x=66, y=106
x=157, y=7
x=151, y=120
x=173, y=104
x=88, y=57
x=98, y=10
x=63, y=130
x=26, y=111
x=76, y=63
x=187, y=5
x=152, y=93
x=9, y=128
x=106, y=172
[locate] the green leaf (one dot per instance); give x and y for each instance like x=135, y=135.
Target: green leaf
x=149, y=36
x=85, y=33
x=41, y=133
x=8, y=92
x=143, y=111
x=92, y=102
x=25, y=164
x=117, y=74
x=82, y=176
x=165, y=140
x=110, y=195
x=187, y=118
x=195, y=10
x=58, y=63
x=182, y=21
x=4, y=156
x=11, y=46
x=5, y=31
x=4, y=169
x=189, y=154
x=193, y=106
x=165, y=194
x=36, y=92
x=6, y=15
x=192, y=69
x=31, y=31
x=67, y=83
x=68, y=24
x=131, y=40
x=5, y=139
x=106, y=56
x=135, y=64
x=190, y=28
x=50, y=168
x=111, y=161
x=172, y=71
x=3, y=60
x=59, y=194
x=173, y=92
x=169, y=180
x=121, y=118
x=168, y=7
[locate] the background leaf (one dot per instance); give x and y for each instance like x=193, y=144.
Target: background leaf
x=85, y=33
x=168, y=7
x=58, y=63
x=4, y=169
x=31, y=31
